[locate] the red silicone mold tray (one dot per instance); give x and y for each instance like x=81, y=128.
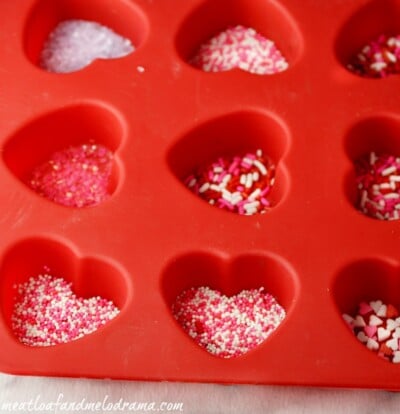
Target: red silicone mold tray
x=153, y=238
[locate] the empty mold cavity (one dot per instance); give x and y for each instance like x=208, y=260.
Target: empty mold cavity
x=90, y=277
x=229, y=136
x=379, y=135
x=123, y=17
x=367, y=24
x=270, y=19
x=36, y=142
x=230, y=276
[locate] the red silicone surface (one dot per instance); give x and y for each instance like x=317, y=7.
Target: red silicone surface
x=153, y=238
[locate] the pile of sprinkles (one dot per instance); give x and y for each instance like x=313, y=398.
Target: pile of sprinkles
x=240, y=184
x=378, y=181
x=227, y=326
x=379, y=58
x=74, y=44
x=75, y=177
x=46, y=312
x=377, y=326
x=240, y=47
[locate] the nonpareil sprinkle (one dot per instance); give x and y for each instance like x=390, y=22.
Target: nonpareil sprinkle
x=377, y=326
x=379, y=58
x=227, y=326
x=378, y=183
x=240, y=47
x=240, y=184
x=46, y=312
x=75, y=177
x=74, y=44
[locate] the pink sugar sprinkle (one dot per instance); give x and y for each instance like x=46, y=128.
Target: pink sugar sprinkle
x=75, y=177
x=227, y=326
x=240, y=47
x=46, y=312
x=378, y=183
x=74, y=44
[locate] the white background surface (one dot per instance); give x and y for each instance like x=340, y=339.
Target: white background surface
x=202, y=398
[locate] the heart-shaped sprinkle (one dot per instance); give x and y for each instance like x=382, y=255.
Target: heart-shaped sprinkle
x=240, y=47
x=396, y=357
x=371, y=331
x=380, y=334
x=382, y=311
x=391, y=324
x=75, y=44
x=362, y=337
x=375, y=321
x=46, y=312
x=393, y=344
x=75, y=177
x=372, y=344
x=383, y=334
x=227, y=326
x=364, y=308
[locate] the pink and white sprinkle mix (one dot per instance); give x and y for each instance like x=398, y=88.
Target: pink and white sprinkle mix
x=378, y=180
x=74, y=44
x=227, y=326
x=240, y=47
x=377, y=326
x=379, y=58
x=239, y=184
x=75, y=177
x=46, y=312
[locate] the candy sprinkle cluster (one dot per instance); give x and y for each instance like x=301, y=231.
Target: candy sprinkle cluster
x=240, y=47
x=379, y=58
x=239, y=184
x=378, y=180
x=74, y=44
x=227, y=327
x=75, y=177
x=46, y=312
x=377, y=326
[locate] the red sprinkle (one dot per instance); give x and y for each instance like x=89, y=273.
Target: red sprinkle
x=227, y=326
x=378, y=181
x=46, y=312
x=377, y=326
x=240, y=47
x=379, y=58
x=239, y=184
x=75, y=177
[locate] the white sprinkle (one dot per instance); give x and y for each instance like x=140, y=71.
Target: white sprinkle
x=395, y=178
x=378, y=66
x=388, y=171
x=372, y=158
x=259, y=153
x=248, y=160
x=254, y=194
x=243, y=179
x=192, y=182
x=256, y=176
x=249, y=180
x=204, y=187
x=261, y=167
x=390, y=196
x=140, y=69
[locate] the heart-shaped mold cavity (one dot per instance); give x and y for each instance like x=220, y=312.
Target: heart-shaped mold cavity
x=34, y=146
x=231, y=277
x=375, y=281
x=90, y=277
x=373, y=20
x=371, y=142
x=233, y=135
x=270, y=19
x=122, y=17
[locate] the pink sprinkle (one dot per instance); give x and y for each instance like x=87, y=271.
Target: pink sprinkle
x=46, y=312
x=75, y=177
x=240, y=47
x=370, y=330
x=227, y=326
